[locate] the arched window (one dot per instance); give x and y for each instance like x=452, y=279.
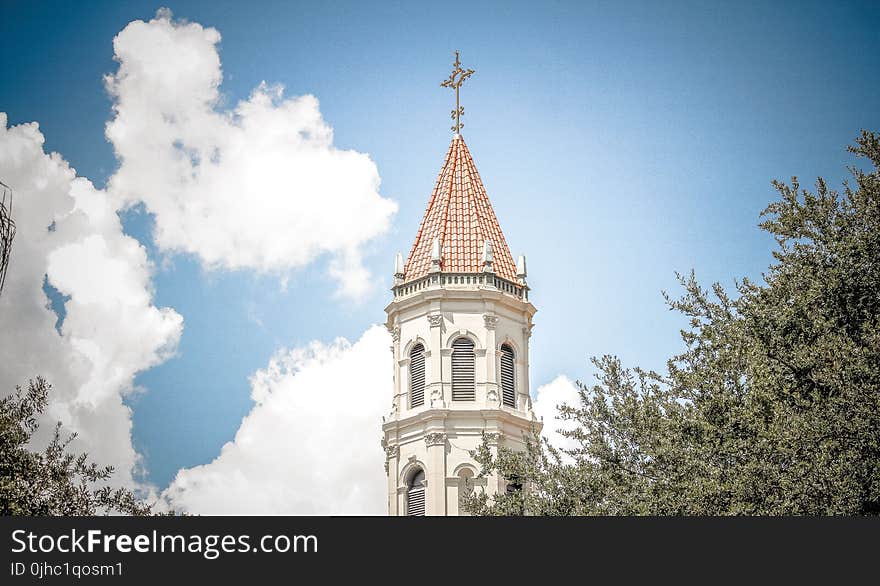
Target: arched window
x=415, y=494
x=463, y=366
x=508, y=386
x=417, y=376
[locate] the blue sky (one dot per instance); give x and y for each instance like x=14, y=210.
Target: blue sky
x=619, y=143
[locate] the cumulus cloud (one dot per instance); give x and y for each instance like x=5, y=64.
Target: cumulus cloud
x=547, y=399
x=111, y=330
x=258, y=186
x=310, y=445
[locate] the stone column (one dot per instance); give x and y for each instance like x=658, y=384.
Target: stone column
x=436, y=473
x=434, y=360
x=524, y=398
x=493, y=395
x=395, y=351
x=392, y=455
x=493, y=485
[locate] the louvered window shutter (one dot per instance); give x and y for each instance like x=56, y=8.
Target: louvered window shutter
x=415, y=495
x=508, y=388
x=417, y=376
x=463, y=367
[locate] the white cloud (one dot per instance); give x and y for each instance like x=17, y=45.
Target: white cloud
x=547, y=399
x=112, y=330
x=259, y=186
x=310, y=445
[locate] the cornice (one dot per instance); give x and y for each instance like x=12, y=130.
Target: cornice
x=461, y=294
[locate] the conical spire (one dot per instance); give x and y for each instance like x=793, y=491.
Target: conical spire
x=461, y=218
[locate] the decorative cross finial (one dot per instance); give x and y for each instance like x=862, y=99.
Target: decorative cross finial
x=456, y=78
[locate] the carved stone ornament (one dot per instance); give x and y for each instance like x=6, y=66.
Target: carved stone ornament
x=527, y=330
x=435, y=439
x=492, y=396
x=435, y=320
x=394, y=331
x=493, y=437
x=491, y=321
x=392, y=451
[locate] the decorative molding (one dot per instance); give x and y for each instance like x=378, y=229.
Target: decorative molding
x=493, y=437
x=491, y=321
x=492, y=396
x=435, y=320
x=437, y=397
x=527, y=330
x=392, y=451
x=394, y=331
x=435, y=439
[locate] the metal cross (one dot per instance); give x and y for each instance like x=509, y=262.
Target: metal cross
x=456, y=78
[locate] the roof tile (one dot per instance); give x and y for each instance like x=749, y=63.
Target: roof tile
x=460, y=215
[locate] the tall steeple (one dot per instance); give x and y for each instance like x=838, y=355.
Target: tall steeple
x=461, y=217
x=460, y=322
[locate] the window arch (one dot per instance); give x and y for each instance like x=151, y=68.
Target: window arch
x=415, y=494
x=417, y=376
x=508, y=379
x=463, y=370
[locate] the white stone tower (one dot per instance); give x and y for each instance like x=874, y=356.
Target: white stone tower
x=460, y=320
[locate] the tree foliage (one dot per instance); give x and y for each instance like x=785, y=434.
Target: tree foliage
x=54, y=481
x=773, y=407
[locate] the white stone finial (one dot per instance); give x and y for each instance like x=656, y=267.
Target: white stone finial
x=521, y=268
x=488, y=256
x=435, y=255
x=398, y=268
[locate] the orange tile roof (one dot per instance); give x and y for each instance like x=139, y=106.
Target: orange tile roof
x=460, y=215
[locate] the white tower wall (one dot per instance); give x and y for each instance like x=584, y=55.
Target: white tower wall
x=439, y=435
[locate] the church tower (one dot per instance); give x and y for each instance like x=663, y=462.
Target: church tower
x=460, y=322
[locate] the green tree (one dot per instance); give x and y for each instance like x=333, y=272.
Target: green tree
x=773, y=407
x=55, y=481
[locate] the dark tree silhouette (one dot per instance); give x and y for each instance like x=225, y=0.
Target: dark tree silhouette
x=54, y=481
